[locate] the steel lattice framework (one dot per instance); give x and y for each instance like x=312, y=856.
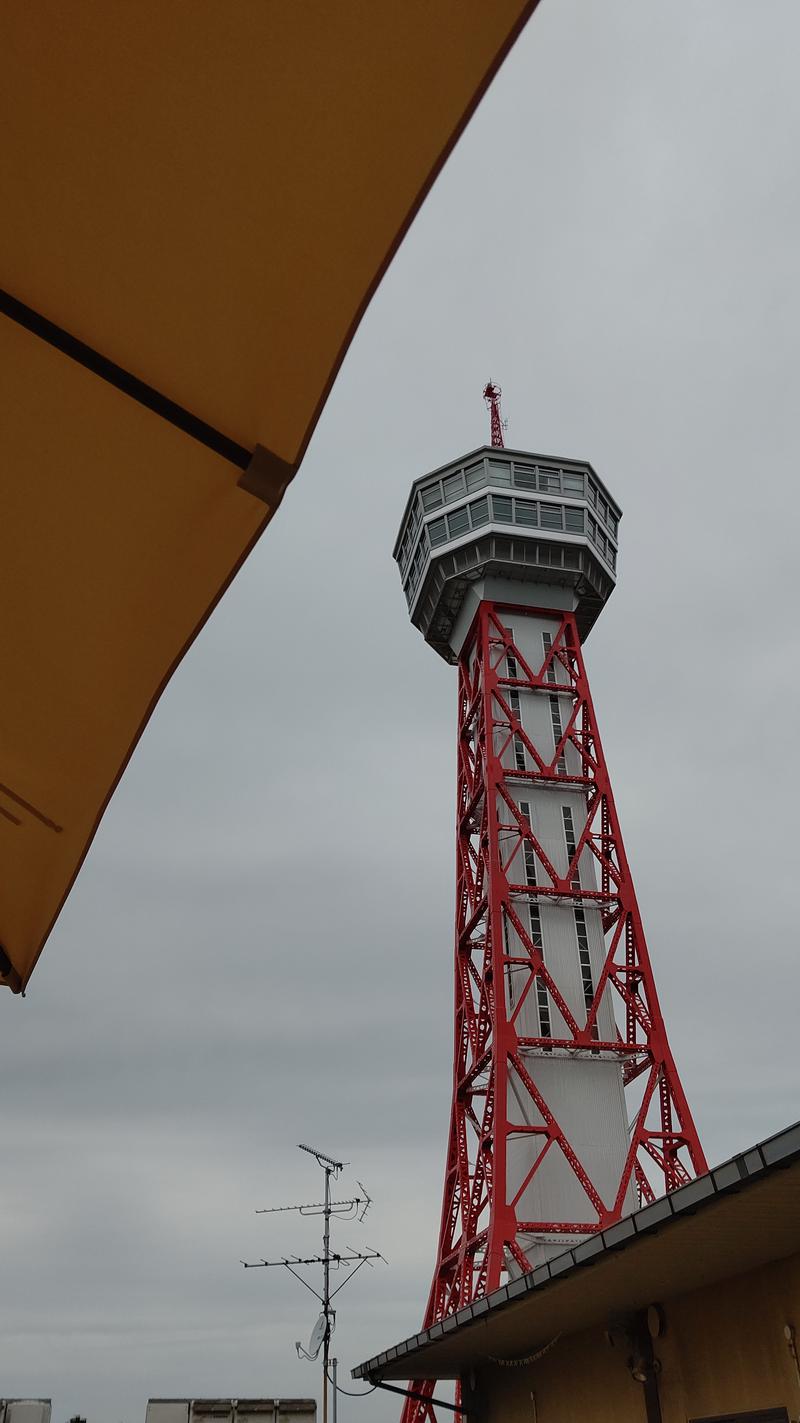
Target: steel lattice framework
x=482, y=1234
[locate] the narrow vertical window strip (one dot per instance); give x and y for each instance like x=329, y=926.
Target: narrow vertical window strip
x=547, y=643
x=537, y=938
x=585, y=965
x=514, y=703
x=571, y=844
x=555, y=718
x=528, y=853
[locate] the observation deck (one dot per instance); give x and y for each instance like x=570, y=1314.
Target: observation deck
x=507, y=514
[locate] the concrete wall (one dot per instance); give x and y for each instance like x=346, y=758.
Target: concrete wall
x=231, y=1410
x=25, y=1410
x=723, y=1352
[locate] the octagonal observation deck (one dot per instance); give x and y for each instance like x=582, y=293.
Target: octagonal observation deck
x=509, y=515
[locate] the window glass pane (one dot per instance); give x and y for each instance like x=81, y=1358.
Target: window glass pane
x=525, y=476
x=573, y=521
x=613, y=523
x=550, y=516
x=480, y=512
x=453, y=486
x=592, y=494
x=437, y=532
x=526, y=513
x=501, y=508
x=549, y=479
x=499, y=473
x=602, y=507
x=573, y=483
x=432, y=498
x=458, y=522
x=476, y=476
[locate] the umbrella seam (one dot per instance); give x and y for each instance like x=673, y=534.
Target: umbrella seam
x=124, y=381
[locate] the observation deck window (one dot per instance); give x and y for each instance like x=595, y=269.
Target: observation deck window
x=479, y=511
x=573, y=483
x=573, y=520
x=437, y=532
x=525, y=476
x=432, y=497
x=551, y=516
x=453, y=486
x=501, y=509
x=458, y=522
x=550, y=480
x=499, y=473
x=526, y=513
x=475, y=476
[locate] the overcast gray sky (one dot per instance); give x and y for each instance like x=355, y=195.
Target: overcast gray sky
x=258, y=951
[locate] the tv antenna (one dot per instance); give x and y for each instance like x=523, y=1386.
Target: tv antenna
x=354, y=1208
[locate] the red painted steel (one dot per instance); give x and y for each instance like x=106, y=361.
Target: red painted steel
x=481, y=1230
x=492, y=394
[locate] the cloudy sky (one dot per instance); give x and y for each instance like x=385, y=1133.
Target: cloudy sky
x=258, y=951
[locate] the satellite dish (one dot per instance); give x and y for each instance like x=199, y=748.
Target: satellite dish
x=316, y=1341
x=317, y=1336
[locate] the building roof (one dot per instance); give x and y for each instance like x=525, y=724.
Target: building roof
x=230, y=1410
x=743, y=1214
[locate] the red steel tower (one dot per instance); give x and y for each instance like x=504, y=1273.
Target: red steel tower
x=567, y=1109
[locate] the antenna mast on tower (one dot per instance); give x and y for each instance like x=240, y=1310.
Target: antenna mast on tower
x=492, y=394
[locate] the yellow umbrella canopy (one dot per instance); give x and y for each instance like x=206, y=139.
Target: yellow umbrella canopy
x=199, y=199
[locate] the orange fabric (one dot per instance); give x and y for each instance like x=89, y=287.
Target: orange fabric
x=206, y=194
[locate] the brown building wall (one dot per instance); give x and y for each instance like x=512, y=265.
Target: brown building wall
x=723, y=1351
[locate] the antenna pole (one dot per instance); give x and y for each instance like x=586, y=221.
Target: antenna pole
x=326, y=1291
x=350, y=1260
x=491, y=394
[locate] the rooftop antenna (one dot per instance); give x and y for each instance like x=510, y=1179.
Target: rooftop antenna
x=354, y=1208
x=491, y=395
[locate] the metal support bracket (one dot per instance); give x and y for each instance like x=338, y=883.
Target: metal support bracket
x=421, y=1397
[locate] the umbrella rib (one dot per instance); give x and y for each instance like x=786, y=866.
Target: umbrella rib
x=124, y=381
